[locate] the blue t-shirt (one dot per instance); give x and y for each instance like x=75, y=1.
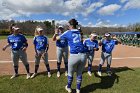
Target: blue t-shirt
x=40, y=42
x=108, y=45
x=16, y=41
x=62, y=43
x=90, y=45
x=74, y=41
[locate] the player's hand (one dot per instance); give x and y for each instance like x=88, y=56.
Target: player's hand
x=24, y=49
x=56, y=31
x=4, y=48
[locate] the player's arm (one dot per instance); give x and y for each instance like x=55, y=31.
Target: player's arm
x=118, y=41
x=34, y=42
x=96, y=47
x=25, y=44
x=100, y=42
x=6, y=46
x=47, y=46
x=55, y=35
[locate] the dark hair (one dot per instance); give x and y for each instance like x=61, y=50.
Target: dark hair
x=73, y=22
x=11, y=28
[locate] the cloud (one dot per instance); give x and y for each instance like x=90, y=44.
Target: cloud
x=106, y=23
x=62, y=7
x=132, y=4
x=123, y=1
x=109, y=10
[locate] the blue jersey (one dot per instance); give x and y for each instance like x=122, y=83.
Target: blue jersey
x=108, y=45
x=90, y=45
x=74, y=41
x=62, y=43
x=16, y=41
x=40, y=42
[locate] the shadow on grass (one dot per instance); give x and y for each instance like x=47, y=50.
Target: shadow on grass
x=106, y=81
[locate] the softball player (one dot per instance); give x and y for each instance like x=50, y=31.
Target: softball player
x=18, y=44
x=108, y=45
x=92, y=46
x=41, y=45
x=62, y=51
x=77, y=59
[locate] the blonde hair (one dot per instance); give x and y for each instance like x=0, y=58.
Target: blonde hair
x=36, y=32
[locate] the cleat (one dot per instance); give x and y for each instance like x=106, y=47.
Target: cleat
x=49, y=74
x=58, y=74
x=77, y=91
x=99, y=73
x=28, y=76
x=15, y=75
x=89, y=73
x=68, y=89
x=34, y=75
x=66, y=73
x=109, y=73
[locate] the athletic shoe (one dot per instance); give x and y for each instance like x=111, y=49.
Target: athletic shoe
x=66, y=73
x=77, y=91
x=99, y=73
x=58, y=74
x=109, y=73
x=68, y=89
x=28, y=76
x=89, y=73
x=34, y=75
x=49, y=74
x=15, y=75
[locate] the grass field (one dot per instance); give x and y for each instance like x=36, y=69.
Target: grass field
x=124, y=80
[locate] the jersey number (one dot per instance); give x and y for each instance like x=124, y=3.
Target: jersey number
x=76, y=38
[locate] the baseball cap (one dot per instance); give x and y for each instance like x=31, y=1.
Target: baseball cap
x=15, y=28
x=39, y=29
x=93, y=34
x=60, y=26
x=107, y=34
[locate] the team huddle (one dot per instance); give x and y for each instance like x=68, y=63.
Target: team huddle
x=70, y=43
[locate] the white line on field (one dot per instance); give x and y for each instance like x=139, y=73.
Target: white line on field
x=94, y=59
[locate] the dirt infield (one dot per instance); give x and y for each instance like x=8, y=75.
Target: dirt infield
x=123, y=56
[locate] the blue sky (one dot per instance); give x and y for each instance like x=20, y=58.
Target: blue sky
x=87, y=12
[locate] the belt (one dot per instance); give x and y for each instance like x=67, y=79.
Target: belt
x=16, y=49
x=78, y=53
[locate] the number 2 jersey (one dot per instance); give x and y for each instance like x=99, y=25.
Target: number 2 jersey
x=74, y=41
x=16, y=41
x=40, y=42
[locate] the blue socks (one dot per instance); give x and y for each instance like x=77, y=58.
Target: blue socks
x=70, y=79
x=48, y=67
x=100, y=68
x=79, y=81
x=58, y=66
x=89, y=67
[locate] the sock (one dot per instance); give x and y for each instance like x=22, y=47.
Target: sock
x=70, y=79
x=58, y=66
x=16, y=69
x=100, y=68
x=48, y=67
x=79, y=81
x=89, y=67
x=108, y=68
x=66, y=66
x=27, y=68
x=36, y=68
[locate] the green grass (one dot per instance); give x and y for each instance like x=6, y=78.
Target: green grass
x=125, y=80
